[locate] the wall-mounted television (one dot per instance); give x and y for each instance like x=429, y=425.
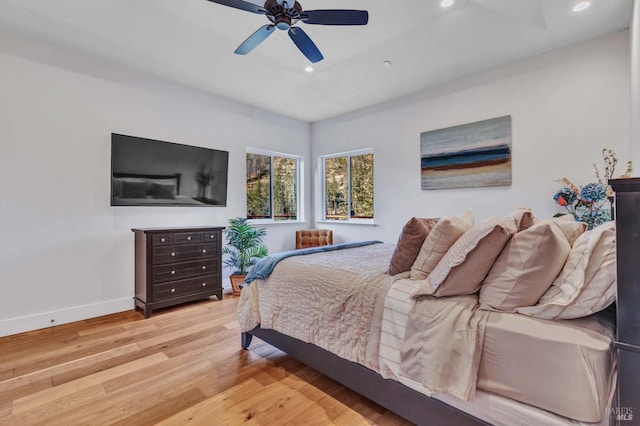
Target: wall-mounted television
x=148, y=172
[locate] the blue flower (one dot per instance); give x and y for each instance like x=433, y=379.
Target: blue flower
x=593, y=192
x=565, y=197
x=593, y=216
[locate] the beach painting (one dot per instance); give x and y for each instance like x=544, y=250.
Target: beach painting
x=466, y=156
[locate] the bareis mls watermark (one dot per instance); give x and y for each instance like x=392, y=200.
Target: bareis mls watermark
x=621, y=413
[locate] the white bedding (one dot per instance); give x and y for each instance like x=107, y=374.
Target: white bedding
x=344, y=302
x=487, y=406
x=327, y=299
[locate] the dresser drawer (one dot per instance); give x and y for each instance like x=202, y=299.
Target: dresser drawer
x=178, y=253
x=177, y=271
x=211, y=236
x=183, y=287
x=187, y=237
x=162, y=239
x=210, y=250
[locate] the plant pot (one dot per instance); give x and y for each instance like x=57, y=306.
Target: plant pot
x=236, y=282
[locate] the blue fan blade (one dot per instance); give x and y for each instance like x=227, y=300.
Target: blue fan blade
x=306, y=46
x=335, y=17
x=242, y=5
x=255, y=39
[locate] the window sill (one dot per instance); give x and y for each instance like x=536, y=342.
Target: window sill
x=348, y=222
x=276, y=222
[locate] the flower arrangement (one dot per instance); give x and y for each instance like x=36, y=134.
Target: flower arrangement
x=590, y=203
x=610, y=161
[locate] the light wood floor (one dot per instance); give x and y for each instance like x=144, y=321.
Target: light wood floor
x=183, y=365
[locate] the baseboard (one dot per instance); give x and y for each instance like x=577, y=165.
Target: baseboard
x=63, y=316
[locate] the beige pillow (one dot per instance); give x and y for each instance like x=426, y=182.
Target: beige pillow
x=467, y=262
x=572, y=232
x=411, y=239
x=528, y=265
x=442, y=236
x=523, y=217
x=587, y=283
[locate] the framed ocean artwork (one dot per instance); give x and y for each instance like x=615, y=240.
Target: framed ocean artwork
x=469, y=155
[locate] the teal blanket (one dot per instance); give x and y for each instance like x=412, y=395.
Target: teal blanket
x=264, y=267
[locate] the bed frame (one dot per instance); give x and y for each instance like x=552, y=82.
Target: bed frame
x=424, y=410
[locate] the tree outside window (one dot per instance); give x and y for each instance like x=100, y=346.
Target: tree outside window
x=272, y=186
x=348, y=186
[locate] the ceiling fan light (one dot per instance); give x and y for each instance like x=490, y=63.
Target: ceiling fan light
x=446, y=3
x=580, y=6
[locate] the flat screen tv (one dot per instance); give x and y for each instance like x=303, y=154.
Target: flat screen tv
x=147, y=172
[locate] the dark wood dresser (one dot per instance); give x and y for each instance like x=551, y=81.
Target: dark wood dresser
x=176, y=265
x=627, y=215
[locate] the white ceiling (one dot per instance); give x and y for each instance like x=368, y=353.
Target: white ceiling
x=191, y=42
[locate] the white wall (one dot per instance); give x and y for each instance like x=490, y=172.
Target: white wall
x=66, y=254
x=565, y=106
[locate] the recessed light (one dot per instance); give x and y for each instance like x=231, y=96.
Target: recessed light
x=580, y=6
x=386, y=64
x=309, y=69
x=446, y=3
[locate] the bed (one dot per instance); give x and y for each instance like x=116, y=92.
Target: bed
x=359, y=337
x=130, y=189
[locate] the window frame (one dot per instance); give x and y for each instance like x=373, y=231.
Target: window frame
x=299, y=185
x=322, y=187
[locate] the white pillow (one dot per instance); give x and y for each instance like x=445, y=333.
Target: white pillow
x=440, y=239
x=587, y=283
x=469, y=259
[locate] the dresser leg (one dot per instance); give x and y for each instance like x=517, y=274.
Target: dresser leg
x=219, y=294
x=246, y=340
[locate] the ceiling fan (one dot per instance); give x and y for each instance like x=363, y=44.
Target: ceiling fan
x=285, y=14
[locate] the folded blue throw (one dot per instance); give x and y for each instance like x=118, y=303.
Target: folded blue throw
x=264, y=267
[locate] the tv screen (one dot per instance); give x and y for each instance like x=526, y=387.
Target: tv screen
x=147, y=172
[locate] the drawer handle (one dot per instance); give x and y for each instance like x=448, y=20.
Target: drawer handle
x=204, y=284
x=173, y=290
x=210, y=236
x=204, y=267
x=173, y=272
x=204, y=251
x=189, y=238
x=162, y=240
x=173, y=253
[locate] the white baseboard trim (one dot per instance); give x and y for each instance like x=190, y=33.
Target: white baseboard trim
x=63, y=316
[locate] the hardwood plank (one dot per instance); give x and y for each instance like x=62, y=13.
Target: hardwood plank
x=59, y=369
x=47, y=412
x=5, y=409
x=30, y=388
x=202, y=413
x=54, y=393
x=163, y=409
x=182, y=365
x=6, y=374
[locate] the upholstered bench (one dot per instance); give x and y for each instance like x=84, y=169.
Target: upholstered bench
x=313, y=238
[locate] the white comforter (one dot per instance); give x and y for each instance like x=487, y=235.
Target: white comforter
x=327, y=299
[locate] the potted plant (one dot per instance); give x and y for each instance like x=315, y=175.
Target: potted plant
x=244, y=247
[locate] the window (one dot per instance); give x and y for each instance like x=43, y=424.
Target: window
x=272, y=186
x=348, y=186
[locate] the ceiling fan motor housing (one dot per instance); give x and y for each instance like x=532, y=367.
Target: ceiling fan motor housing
x=283, y=13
